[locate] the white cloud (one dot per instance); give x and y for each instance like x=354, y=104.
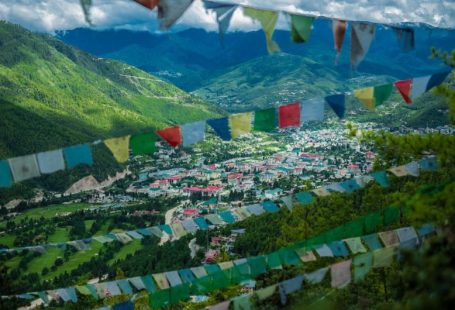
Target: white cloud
x=52, y=15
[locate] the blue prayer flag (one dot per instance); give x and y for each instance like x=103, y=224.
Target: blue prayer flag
x=78, y=154
x=127, y=305
x=337, y=103
x=6, y=179
x=270, y=206
x=193, y=133
x=200, y=221
x=372, y=241
x=227, y=217
x=312, y=110
x=304, y=198
x=436, y=79
x=338, y=248
x=350, y=185
x=221, y=127
x=166, y=228
x=381, y=178
x=428, y=164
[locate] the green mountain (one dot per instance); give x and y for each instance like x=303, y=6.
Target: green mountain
x=52, y=95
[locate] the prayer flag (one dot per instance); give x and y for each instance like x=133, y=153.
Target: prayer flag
x=223, y=13
x=289, y=257
x=289, y=115
x=186, y=275
x=242, y=302
x=312, y=110
x=404, y=88
x=166, y=228
x=372, y=241
x=287, y=200
x=240, y=124
x=274, y=260
x=362, y=265
x=24, y=167
x=428, y=164
x=143, y=144
x=362, y=35
x=341, y=274
x=178, y=230
x=126, y=305
x=316, y=276
x=134, y=234
x=383, y=257
x=169, y=11
x=50, y=162
x=200, y=221
x=324, y=251
x=268, y=20
x=425, y=230
x=161, y=280
x=408, y=237
x=119, y=148
x=270, y=206
x=149, y=284
x=137, y=283
x=412, y=168
x=381, y=178
x=193, y=133
x=255, y=209
x=190, y=226
x=125, y=286
x=149, y=4
x=405, y=37
x=123, y=238
x=78, y=154
x=338, y=248
x=221, y=127
x=399, y=171
x=304, y=198
x=6, y=179
x=321, y=191
x=306, y=255
x=227, y=217
x=372, y=97
x=355, y=245
x=199, y=272
x=265, y=120
x=301, y=27
x=389, y=238
x=214, y=219
x=173, y=278
x=171, y=135
x=339, y=30
x=419, y=86
x=290, y=286
x=337, y=103
x=266, y=292
x=437, y=79
x=226, y=265
x=350, y=186
x=221, y=306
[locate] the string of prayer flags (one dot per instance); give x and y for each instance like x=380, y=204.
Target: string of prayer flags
x=340, y=274
x=223, y=13
x=78, y=155
x=193, y=133
x=268, y=20
x=171, y=135
x=143, y=144
x=6, y=178
x=24, y=168
x=169, y=11
x=221, y=127
x=265, y=120
x=312, y=110
x=149, y=4
x=301, y=27
x=51, y=161
x=372, y=97
x=362, y=35
x=119, y=148
x=339, y=31
x=423, y=84
x=337, y=103
x=289, y=115
x=405, y=38
x=404, y=88
x=240, y=124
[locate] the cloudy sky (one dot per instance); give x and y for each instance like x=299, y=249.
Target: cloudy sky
x=53, y=15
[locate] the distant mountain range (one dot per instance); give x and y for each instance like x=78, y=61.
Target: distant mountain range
x=239, y=74
x=53, y=95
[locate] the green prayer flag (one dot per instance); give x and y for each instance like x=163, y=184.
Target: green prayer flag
x=242, y=302
x=202, y=286
x=159, y=299
x=265, y=120
x=142, y=144
x=274, y=260
x=362, y=265
x=257, y=265
x=383, y=257
x=382, y=93
x=301, y=28
x=265, y=293
x=220, y=280
x=391, y=215
x=179, y=292
x=289, y=257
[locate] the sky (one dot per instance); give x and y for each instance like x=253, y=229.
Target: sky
x=57, y=15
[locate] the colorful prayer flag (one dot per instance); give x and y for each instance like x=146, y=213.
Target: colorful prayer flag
x=412, y=168
x=50, y=162
x=240, y=124
x=316, y=276
x=405, y=37
x=143, y=144
x=24, y=168
x=389, y=238
x=381, y=178
x=419, y=86
x=312, y=110
x=171, y=135
x=321, y=191
x=404, y=88
x=428, y=164
x=6, y=179
x=383, y=257
x=437, y=79
x=119, y=148
x=362, y=265
x=355, y=245
x=149, y=4
x=289, y=115
x=193, y=133
x=304, y=198
x=408, y=237
x=338, y=248
x=337, y=103
x=173, y=278
x=399, y=171
x=221, y=127
x=161, y=280
x=362, y=35
x=268, y=20
x=323, y=251
x=266, y=292
x=339, y=30
x=372, y=241
x=169, y=11
x=265, y=120
x=372, y=97
x=77, y=155
x=341, y=274
x=301, y=27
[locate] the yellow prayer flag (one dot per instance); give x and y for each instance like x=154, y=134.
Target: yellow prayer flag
x=240, y=124
x=161, y=280
x=366, y=95
x=119, y=147
x=268, y=20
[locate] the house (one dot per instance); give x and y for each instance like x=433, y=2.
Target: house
x=273, y=193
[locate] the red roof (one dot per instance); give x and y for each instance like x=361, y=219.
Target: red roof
x=235, y=176
x=174, y=178
x=208, y=189
x=309, y=155
x=190, y=211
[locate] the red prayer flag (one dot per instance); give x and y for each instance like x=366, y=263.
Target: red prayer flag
x=289, y=115
x=150, y=4
x=172, y=135
x=404, y=87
